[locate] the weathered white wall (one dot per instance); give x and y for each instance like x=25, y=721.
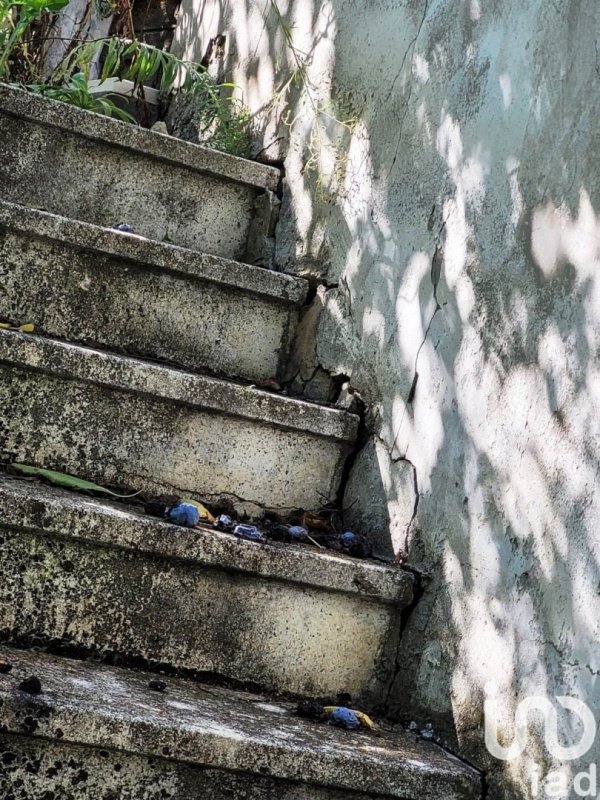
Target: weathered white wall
x=457, y=222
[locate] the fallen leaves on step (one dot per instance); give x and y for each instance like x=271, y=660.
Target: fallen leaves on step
x=69, y=481
x=28, y=327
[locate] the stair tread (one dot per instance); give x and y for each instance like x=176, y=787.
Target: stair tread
x=53, y=113
x=109, y=707
x=162, y=255
x=32, y=505
x=136, y=375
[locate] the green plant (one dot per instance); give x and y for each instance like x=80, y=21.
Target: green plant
x=77, y=92
x=333, y=121
x=16, y=18
x=224, y=122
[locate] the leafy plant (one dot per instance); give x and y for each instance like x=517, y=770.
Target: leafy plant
x=332, y=123
x=15, y=19
x=77, y=93
x=224, y=123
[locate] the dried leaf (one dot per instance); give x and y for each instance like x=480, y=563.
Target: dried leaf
x=28, y=327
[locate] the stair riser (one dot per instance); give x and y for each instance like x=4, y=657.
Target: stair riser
x=37, y=769
x=126, y=439
x=283, y=636
x=63, y=172
x=84, y=296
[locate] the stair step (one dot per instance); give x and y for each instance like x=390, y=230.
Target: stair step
x=121, y=421
x=85, y=283
x=106, y=579
x=97, y=732
x=89, y=167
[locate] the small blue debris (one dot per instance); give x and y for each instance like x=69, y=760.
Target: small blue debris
x=250, y=532
x=124, y=228
x=348, y=539
x=344, y=718
x=184, y=514
x=224, y=523
x=297, y=532
x=428, y=732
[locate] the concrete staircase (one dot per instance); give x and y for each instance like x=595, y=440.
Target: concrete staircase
x=139, y=376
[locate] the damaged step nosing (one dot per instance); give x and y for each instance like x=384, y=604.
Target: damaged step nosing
x=193, y=390
x=36, y=508
x=52, y=113
x=160, y=255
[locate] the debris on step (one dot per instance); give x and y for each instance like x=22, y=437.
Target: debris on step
x=159, y=506
x=428, y=732
x=224, y=523
x=5, y=666
x=123, y=227
x=249, y=532
x=205, y=515
x=68, y=481
x=311, y=709
x=356, y=545
x=27, y=327
x=343, y=717
x=340, y=716
x=160, y=127
x=268, y=385
x=157, y=685
x=31, y=685
x=315, y=522
x=184, y=514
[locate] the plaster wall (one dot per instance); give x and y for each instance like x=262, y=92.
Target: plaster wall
x=443, y=181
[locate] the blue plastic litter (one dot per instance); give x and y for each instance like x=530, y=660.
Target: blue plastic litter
x=124, y=228
x=250, y=532
x=184, y=514
x=348, y=539
x=224, y=523
x=298, y=532
x=344, y=718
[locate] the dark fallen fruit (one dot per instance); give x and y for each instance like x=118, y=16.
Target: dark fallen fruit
x=156, y=508
x=279, y=532
x=344, y=718
x=355, y=545
x=31, y=685
x=184, y=514
x=124, y=228
x=310, y=709
x=5, y=666
x=157, y=685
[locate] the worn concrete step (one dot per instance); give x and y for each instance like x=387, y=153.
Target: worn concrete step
x=88, y=284
x=88, y=167
x=122, y=421
x=99, y=732
x=104, y=579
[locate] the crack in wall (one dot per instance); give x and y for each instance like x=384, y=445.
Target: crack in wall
x=412, y=45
